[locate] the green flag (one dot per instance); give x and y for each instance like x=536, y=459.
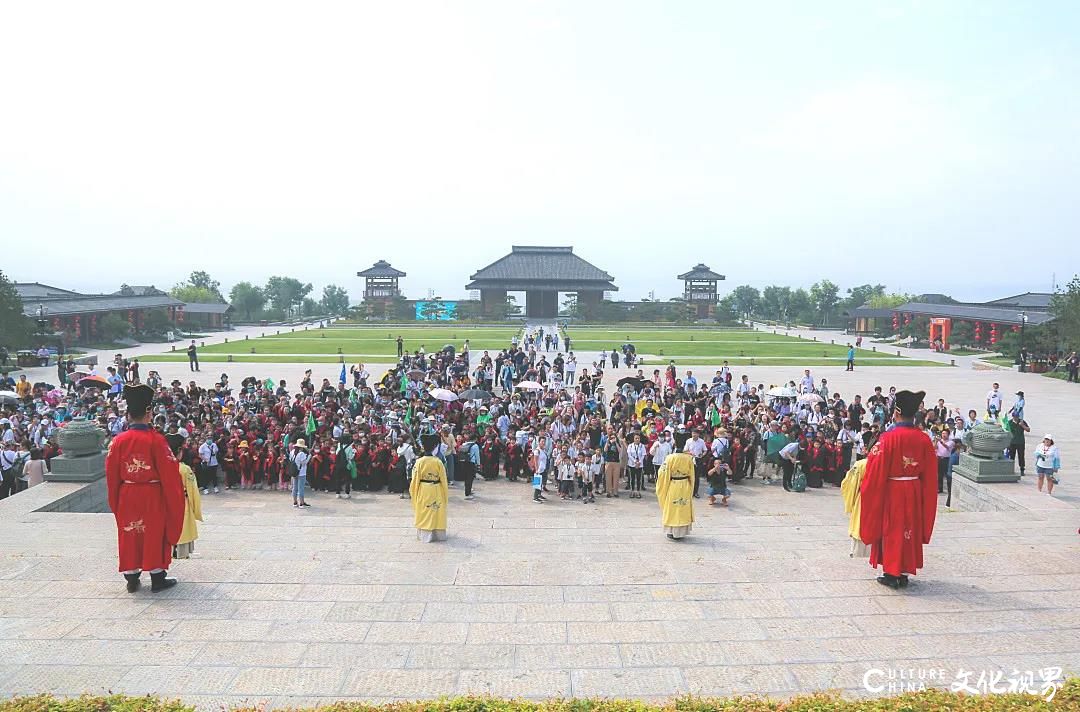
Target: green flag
x=310, y=427
x=408, y=416
x=269, y=384
x=404, y=383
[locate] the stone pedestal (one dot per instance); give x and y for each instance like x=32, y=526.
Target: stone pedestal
x=87, y=468
x=983, y=470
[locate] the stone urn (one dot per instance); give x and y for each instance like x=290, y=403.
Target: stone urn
x=80, y=438
x=987, y=440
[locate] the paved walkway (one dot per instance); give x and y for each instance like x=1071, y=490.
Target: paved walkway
x=341, y=602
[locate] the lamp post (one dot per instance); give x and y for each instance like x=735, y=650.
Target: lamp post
x=1020, y=357
x=41, y=319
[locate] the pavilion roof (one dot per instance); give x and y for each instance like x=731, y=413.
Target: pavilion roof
x=381, y=268
x=541, y=267
x=701, y=271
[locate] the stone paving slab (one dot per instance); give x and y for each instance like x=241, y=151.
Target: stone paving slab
x=341, y=602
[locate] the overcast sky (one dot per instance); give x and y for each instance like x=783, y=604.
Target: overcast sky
x=931, y=146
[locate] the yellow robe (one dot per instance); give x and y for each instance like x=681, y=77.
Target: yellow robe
x=193, y=510
x=676, y=495
x=850, y=490
x=429, y=493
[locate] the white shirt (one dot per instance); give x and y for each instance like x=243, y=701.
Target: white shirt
x=300, y=459
x=993, y=398
x=208, y=453
x=635, y=455
x=660, y=450
x=696, y=447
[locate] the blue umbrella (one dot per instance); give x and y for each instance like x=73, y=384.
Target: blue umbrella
x=341, y=378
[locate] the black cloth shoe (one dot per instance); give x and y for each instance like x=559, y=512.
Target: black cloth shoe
x=133, y=582
x=160, y=582
x=903, y=581
x=892, y=582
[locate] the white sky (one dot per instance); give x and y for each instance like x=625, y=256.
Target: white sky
x=929, y=146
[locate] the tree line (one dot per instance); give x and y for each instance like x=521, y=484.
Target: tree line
x=820, y=305
x=280, y=298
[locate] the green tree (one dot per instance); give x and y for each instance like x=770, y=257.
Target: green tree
x=824, y=297
x=246, y=297
x=286, y=293
x=202, y=280
x=570, y=306
x=510, y=307
x=887, y=301
x=727, y=309
x=1065, y=306
x=776, y=302
x=861, y=295
x=800, y=308
x=747, y=300
x=112, y=327
x=15, y=327
x=190, y=294
x=335, y=300
x=156, y=321
x=310, y=307
x=198, y=288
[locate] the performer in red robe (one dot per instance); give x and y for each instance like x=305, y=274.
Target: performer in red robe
x=899, y=495
x=146, y=495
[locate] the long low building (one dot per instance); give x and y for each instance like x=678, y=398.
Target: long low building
x=1030, y=308
x=78, y=315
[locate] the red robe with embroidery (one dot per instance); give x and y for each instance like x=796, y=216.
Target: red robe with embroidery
x=146, y=496
x=898, y=514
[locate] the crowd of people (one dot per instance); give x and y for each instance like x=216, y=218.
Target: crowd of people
x=528, y=413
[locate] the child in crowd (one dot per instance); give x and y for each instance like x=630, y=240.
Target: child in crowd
x=584, y=477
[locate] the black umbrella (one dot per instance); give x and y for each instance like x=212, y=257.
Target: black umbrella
x=476, y=394
x=632, y=380
x=416, y=374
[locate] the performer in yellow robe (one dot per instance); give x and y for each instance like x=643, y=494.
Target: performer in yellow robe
x=850, y=490
x=675, y=490
x=429, y=493
x=192, y=513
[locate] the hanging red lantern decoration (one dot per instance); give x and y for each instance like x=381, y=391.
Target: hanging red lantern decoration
x=993, y=334
x=56, y=323
x=895, y=322
x=1015, y=328
x=978, y=331
x=907, y=318
x=78, y=327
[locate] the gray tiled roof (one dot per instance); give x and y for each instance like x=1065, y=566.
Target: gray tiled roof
x=985, y=313
x=558, y=265
x=701, y=271
x=1027, y=300
x=381, y=268
x=37, y=290
x=89, y=303
x=206, y=308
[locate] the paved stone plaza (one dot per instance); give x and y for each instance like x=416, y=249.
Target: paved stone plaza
x=342, y=602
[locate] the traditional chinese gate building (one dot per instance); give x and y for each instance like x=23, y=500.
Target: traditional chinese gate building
x=542, y=273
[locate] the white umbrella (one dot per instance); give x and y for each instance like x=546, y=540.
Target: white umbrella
x=443, y=394
x=9, y=398
x=781, y=392
x=811, y=398
x=530, y=386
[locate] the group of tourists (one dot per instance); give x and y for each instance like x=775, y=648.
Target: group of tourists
x=438, y=419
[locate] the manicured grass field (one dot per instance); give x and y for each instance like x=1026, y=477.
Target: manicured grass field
x=656, y=345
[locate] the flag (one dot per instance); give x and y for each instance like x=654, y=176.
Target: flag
x=269, y=384
x=404, y=383
x=341, y=378
x=408, y=416
x=310, y=427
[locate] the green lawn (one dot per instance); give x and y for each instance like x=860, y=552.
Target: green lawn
x=788, y=361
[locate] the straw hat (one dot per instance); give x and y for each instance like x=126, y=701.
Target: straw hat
x=243, y=445
x=300, y=444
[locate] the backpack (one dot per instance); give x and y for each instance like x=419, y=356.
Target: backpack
x=291, y=470
x=798, y=481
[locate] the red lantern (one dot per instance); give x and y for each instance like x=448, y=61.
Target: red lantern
x=1015, y=328
x=78, y=327
x=895, y=322
x=993, y=334
x=131, y=317
x=56, y=323
x=907, y=318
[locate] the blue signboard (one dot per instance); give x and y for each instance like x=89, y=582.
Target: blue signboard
x=436, y=311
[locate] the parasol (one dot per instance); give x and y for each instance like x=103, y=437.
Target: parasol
x=476, y=394
x=94, y=382
x=443, y=394
x=781, y=392
x=9, y=398
x=631, y=380
x=416, y=374
x=811, y=398
x=530, y=386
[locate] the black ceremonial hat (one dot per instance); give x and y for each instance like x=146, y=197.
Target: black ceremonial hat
x=429, y=441
x=908, y=402
x=138, y=398
x=680, y=441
